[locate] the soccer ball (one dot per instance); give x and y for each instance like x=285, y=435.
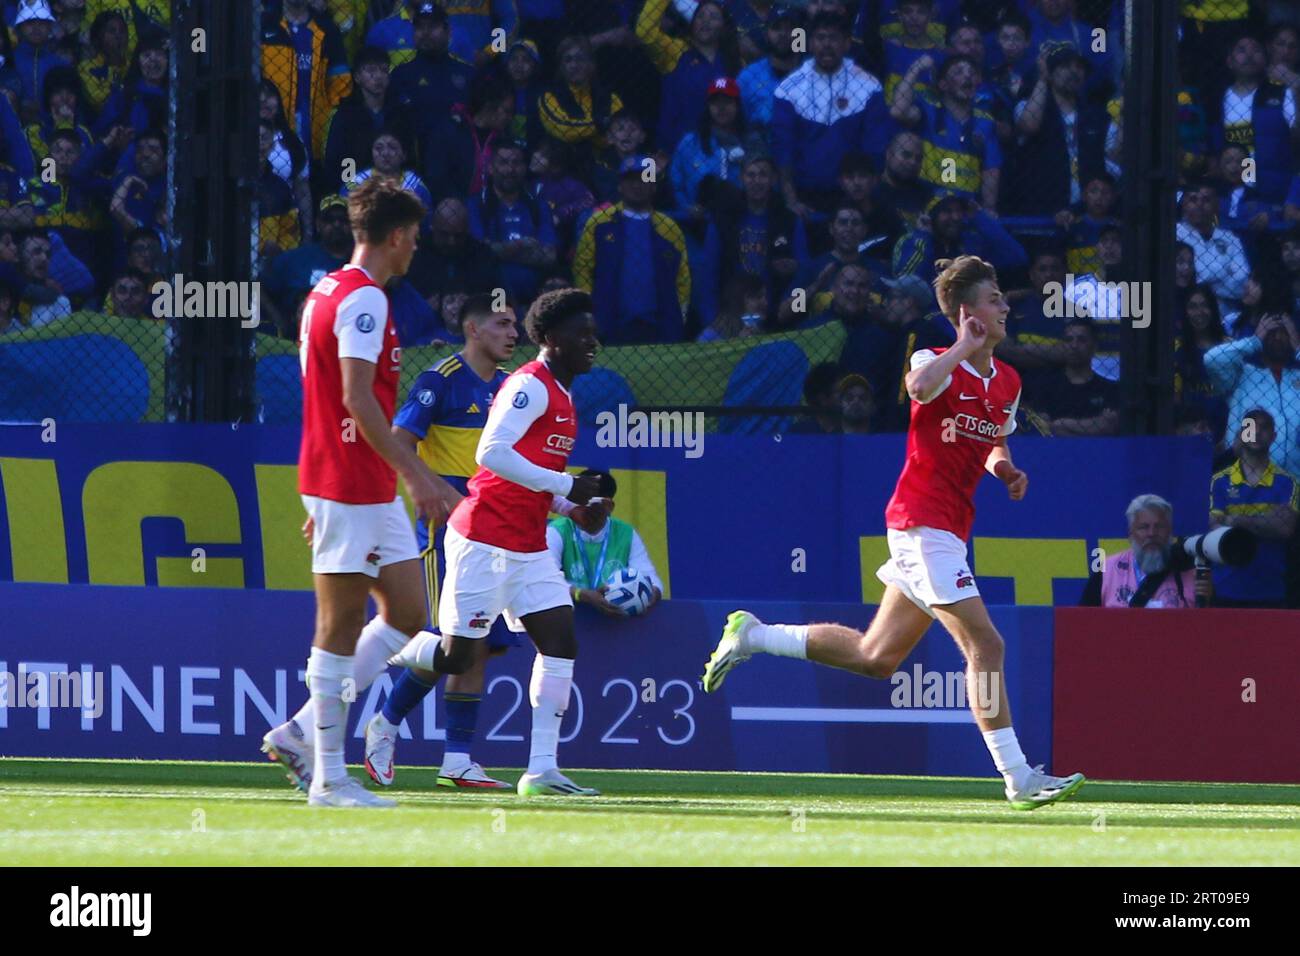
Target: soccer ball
x=630, y=592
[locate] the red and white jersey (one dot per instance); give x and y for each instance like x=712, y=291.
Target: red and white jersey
x=948, y=442
x=522, y=454
x=346, y=316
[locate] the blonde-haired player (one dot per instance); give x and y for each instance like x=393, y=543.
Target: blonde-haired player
x=963, y=408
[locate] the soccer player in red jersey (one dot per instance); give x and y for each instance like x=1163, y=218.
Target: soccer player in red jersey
x=497, y=559
x=963, y=408
x=362, y=540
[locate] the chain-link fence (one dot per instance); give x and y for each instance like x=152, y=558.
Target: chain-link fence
x=754, y=193
x=86, y=131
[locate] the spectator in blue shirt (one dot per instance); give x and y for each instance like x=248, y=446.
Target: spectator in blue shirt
x=435, y=81
x=139, y=192
x=959, y=228
x=826, y=108
x=960, y=141
x=710, y=155
x=141, y=101
x=759, y=80
x=1257, y=495
x=515, y=223
x=34, y=56
x=292, y=275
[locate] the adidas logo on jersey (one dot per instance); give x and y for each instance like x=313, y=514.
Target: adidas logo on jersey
x=473, y=409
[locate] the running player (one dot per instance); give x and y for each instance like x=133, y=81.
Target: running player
x=497, y=559
x=442, y=420
x=964, y=405
x=348, y=465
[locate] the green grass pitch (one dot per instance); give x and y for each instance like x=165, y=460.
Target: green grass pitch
x=67, y=812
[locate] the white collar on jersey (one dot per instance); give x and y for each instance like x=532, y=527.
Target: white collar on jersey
x=351, y=265
x=971, y=368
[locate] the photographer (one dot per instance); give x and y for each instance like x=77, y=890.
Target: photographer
x=1145, y=575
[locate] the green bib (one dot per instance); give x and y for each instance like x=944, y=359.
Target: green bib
x=580, y=566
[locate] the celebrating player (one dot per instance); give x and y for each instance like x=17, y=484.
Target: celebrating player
x=442, y=420
x=362, y=539
x=495, y=544
x=964, y=405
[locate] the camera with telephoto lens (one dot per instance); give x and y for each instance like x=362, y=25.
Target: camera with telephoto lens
x=1232, y=546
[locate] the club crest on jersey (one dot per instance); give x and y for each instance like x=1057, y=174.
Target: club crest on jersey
x=365, y=322
x=425, y=397
x=520, y=400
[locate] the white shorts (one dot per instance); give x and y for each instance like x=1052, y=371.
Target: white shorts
x=929, y=566
x=359, y=539
x=482, y=583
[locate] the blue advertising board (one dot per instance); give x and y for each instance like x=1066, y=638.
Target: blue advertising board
x=200, y=674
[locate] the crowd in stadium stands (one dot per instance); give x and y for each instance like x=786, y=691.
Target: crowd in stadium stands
x=82, y=157
x=719, y=169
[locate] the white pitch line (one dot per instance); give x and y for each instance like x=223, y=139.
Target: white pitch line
x=852, y=715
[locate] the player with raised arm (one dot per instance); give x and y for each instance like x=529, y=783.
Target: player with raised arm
x=362, y=542
x=497, y=559
x=964, y=405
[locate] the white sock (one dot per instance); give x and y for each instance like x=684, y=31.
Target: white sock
x=328, y=673
x=424, y=645
x=1007, y=756
x=783, y=640
x=378, y=642
x=384, y=724
x=548, y=692
x=454, y=762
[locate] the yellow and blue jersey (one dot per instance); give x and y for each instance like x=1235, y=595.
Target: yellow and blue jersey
x=1264, y=578
x=971, y=145
x=447, y=410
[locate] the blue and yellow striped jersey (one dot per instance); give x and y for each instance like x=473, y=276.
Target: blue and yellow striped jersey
x=447, y=410
x=1264, y=578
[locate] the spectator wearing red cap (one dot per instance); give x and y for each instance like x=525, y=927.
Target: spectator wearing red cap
x=710, y=155
x=688, y=65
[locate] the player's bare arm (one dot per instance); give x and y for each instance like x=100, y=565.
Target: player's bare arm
x=923, y=382
x=359, y=399
x=448, y=496
x=1001, y=467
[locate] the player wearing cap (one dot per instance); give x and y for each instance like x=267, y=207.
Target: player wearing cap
x=497, y=559
x=362, y=542
x=963, y=408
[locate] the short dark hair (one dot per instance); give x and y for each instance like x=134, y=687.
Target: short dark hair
x=1082, y=322
x=828, y=20
x=551, y=309
x=608, y=487
x=479, y=305
x=370, y=56
x=67, y=135
x=153, y=132
x=131, y=272
x=955, y=61
x=1257, y=413
x=488, y=89
x=379, y=206
x=820, y=380
x=1014, y=18
x=857, y=163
